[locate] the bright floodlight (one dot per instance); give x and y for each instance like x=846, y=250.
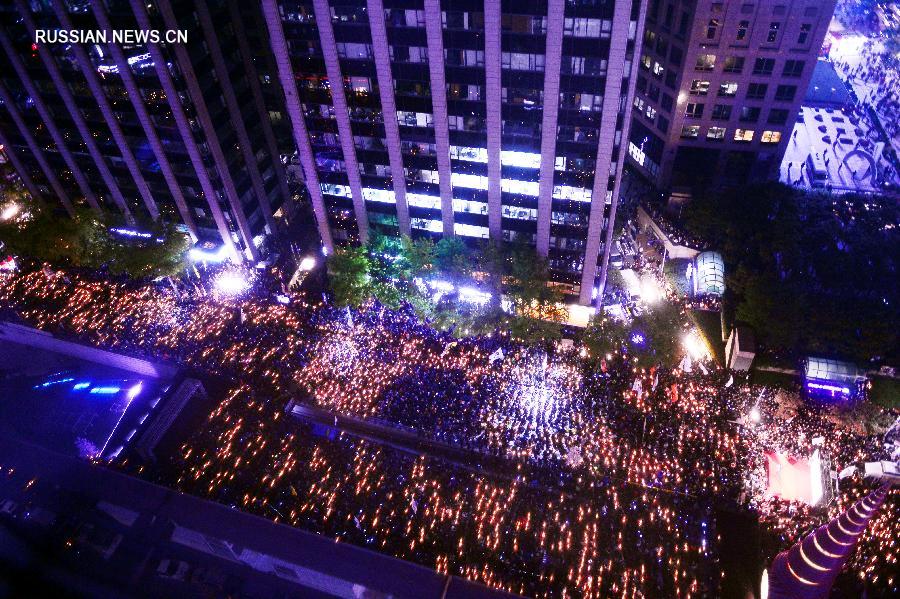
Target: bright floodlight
x=651, y=292
x=231, y=283
x=755, y=416
x=694, y=346
x=10, y=211
x=308, y=264
x=135, y=391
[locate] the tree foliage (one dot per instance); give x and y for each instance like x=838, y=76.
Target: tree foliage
x=87, y=241
x=349, y=276
x=809, y=272
x=452, y=258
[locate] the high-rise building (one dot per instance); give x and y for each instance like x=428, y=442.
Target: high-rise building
x=187, y=131
x=719, y=87
x=482, y=119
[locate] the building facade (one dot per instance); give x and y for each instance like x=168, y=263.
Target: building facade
x=720, y=85
x=481, y=119
x=190, y=131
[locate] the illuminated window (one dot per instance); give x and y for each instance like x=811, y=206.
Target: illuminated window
x=705, y=62
x=715, y=133
x=690, y=131
x=743, y=134
x=771, y=137
x=700, y=88
x=728, y=89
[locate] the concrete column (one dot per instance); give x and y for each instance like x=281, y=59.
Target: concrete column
x=552, y=63
x=389, y=109
x=160, y=64
x=435, y=33
x=140, y=109
x=47, y=118
x=260, y=103
x=209, y=131
x=298, y=123
x=86, y=65
x=234, y=111
x=612, y=98
x=341, y=114
x=36, y=150
x=69, y=100
x=493, y=98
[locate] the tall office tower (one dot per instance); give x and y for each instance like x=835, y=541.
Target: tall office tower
x=719, y=87
x=475, y=118
x=185, y=131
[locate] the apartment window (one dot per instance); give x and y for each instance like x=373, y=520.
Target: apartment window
x=694, y=110
x=690, y=131
x=763, y=66
x=699, y=87
x=523, y=24
x=733, y=64
x=745, y=135
x=653, y=92
x=705, y=62
x=404, y=18
x=675, y=55
x=658, y=70
x=518, y=61
x=803, y=36
x=667, y=102
x=742, y=30
x=715, y=133
x=464, y=58
x=778, y=116
x=662, y=46
x=582, y=65
x=354, y=51
x=749, y=114
x=770, y=137
x=712, y=28
x=721, y=112
x=650, y=113
x=728, y=89
x=663, y=124
x=785, y=93
x=671, y=80
x=582, y=27
x=460, y=19
x=645, y=62
x=757, y=91
x=772, y=35
x=414, y=54
x=793, y=68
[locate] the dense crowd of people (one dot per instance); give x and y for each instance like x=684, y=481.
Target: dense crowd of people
x=612, y=473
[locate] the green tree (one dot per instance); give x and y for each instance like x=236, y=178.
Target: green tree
x=811, y=272
x=662, y=329
x=386, y=261
x=493, y=261
x=453, y=259
x=349, y=276
x=149, y=259
x=418, y=255
x=80, y=241
x=604, y=335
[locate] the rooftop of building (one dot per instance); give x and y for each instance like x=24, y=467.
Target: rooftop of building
x=826, y=89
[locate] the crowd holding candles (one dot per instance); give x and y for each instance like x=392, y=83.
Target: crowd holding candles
x=612, y=471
